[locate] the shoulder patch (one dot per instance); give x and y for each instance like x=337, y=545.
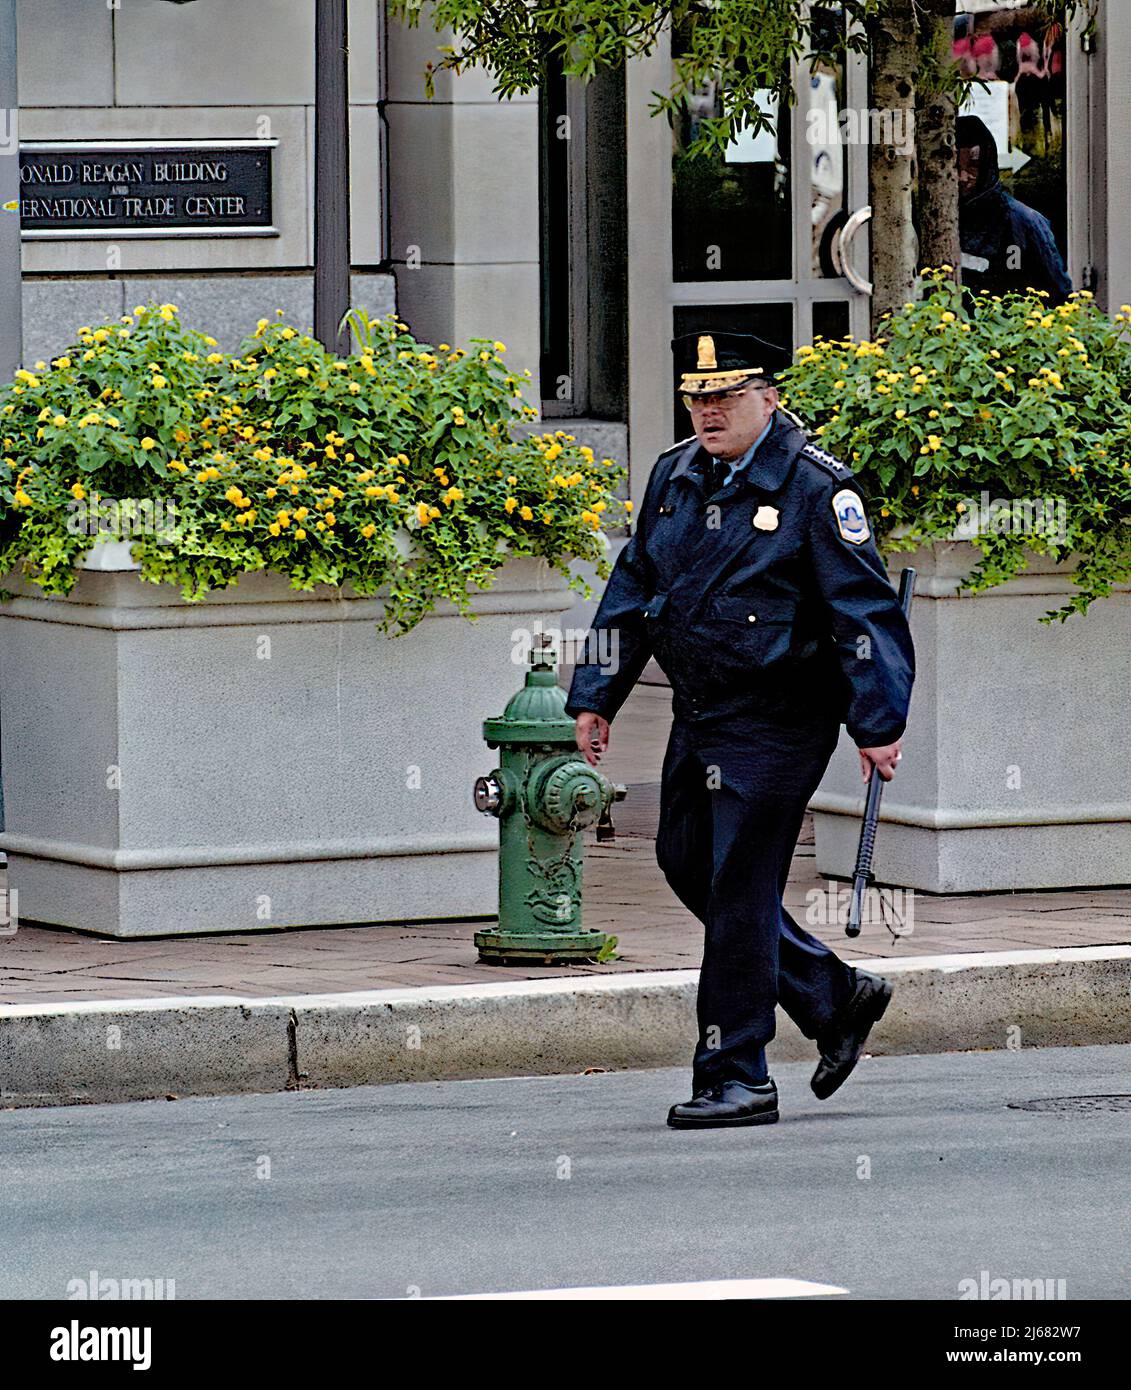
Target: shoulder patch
x=850, y=519
x=823, y=459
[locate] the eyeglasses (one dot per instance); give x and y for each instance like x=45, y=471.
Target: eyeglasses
x=725, y=400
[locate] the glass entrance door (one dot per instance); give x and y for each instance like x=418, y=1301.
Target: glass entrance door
x=758, y=230
x=754, y=236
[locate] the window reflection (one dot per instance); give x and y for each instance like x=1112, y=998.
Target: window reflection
x=1018, y=51
x=731, y=209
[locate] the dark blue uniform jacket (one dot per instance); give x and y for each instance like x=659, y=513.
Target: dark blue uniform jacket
x=786, y=620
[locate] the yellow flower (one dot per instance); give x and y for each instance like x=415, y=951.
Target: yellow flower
x=274, y=528
x=453, y=494
x=59, y=421
x=78, y=491
x=301, y=513
x=368, y=530
x=628, y=506
x=283, y=518
x=510, y=504
x=147, y=443
x=302, y=371
x=300, y=534
x=177, y=466
x=526, y=514
x=61, y=362
x=234, y=495
x=899, y=414
x=500, y=347
x=214, y=357
x=331, y=519
x=160, y=382
x=225, y=526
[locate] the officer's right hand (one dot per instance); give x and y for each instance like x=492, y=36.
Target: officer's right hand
x=592, y=733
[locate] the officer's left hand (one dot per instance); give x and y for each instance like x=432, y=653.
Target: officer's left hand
x=592, y=734
x=884, y=759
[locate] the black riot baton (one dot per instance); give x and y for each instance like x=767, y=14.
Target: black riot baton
x=862, y=875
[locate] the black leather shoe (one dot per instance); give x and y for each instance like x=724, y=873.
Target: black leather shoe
x=842, y=1045
x=729, y=1103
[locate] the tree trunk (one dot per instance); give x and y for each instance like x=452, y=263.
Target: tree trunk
x=934, y=140
x=895, y=62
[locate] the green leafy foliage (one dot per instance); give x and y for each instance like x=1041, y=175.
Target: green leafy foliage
x=747, y=46
x=397, y=468
x=1007, y=424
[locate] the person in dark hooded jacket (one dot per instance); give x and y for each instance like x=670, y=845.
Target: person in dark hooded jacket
x=1005, y=244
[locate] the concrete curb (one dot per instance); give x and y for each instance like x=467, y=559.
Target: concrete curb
x=118, y=1050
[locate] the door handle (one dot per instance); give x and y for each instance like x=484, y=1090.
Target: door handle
x=841, y=246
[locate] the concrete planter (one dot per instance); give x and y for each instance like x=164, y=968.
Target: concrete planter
x=263, y=759
x=1017, y=760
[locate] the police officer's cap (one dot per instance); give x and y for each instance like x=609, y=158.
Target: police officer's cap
x=713, y=363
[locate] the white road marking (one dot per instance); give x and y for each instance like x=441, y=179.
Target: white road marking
x=703, y=1290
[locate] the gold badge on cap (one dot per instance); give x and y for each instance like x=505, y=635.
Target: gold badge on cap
x=766, y=519
x=706, y=353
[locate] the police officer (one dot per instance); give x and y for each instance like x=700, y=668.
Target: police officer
x=753, y=579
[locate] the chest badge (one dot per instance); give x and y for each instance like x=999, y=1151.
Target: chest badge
x=766, y=519
x=850, y=519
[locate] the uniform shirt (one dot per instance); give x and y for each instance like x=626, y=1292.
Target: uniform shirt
x=764, y=600
x=738, y=464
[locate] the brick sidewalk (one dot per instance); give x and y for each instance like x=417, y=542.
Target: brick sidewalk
x=625, y=894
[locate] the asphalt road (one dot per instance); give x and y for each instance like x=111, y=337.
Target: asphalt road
x=915, y=1176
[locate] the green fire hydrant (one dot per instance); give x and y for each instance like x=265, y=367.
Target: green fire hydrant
x=544, y=795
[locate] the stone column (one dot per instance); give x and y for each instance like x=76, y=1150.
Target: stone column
x=1115, y=35
x=463, y=194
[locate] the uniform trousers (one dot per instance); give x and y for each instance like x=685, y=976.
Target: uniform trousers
x=732, y=803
